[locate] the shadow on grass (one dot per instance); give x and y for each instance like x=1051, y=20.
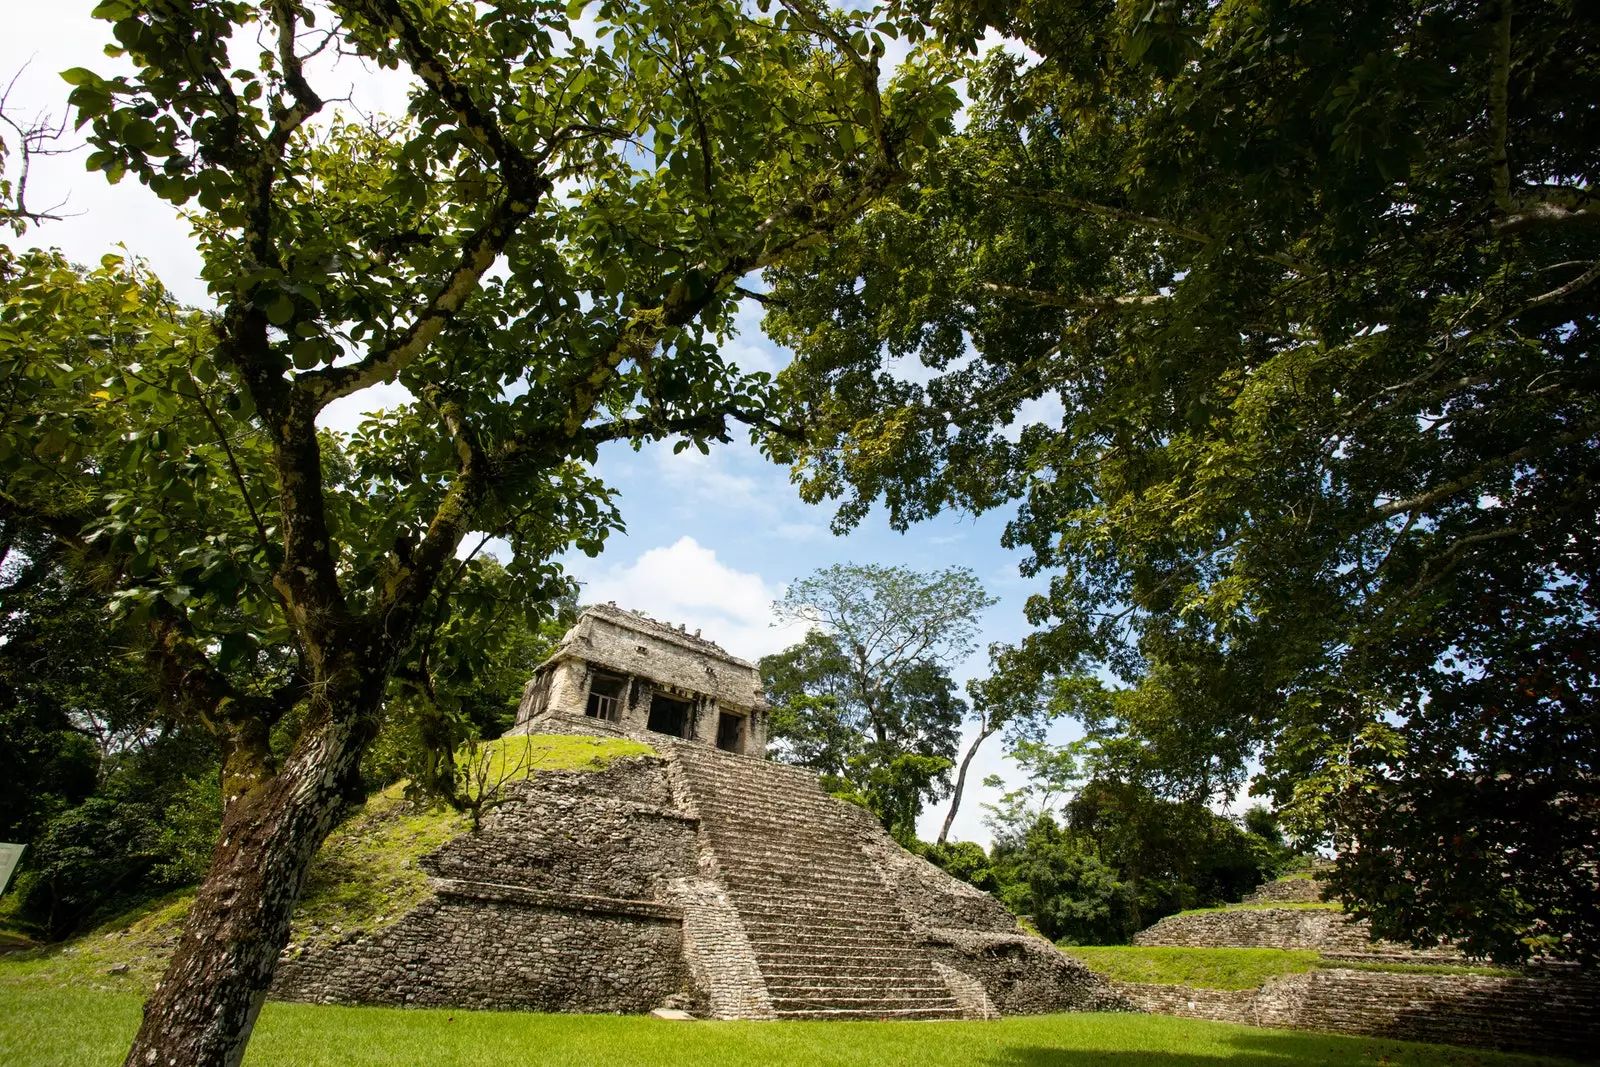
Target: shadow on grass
x=1275, y=1049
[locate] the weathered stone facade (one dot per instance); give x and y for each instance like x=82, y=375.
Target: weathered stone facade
x=562, y=902
x=1556, y=1012
x=1287, y=891
x=700, y=879
x=1549, y=1015
x=1324, y=930
x=646, y=677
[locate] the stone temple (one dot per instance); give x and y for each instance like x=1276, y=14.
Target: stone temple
x=640, y=675
x=701, y=877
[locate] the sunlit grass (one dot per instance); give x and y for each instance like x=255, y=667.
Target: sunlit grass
x=49, y=1027
x=1206, y=968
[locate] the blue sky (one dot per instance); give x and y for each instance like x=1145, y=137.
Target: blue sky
x=710, y=540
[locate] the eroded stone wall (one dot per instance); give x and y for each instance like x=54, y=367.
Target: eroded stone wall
x=1550, y=1015
x=562, y=902
x=490, y=949
x=1323, y=930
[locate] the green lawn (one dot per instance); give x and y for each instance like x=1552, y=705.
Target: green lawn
x=55, y=1027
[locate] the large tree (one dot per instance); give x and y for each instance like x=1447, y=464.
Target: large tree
x=544, y=250
x=1314, y=286
x=866, y=696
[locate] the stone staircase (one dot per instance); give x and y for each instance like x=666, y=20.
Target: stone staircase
x=828, y=940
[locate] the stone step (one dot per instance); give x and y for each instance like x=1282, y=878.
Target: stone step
x=822, y=839
x=833, y=989
x=788, y=913
x=778, y=927
x=775, y=908
x=869, y=971
x=867, y=1015
x=877, y=1004
x=828, y=882
x=821, y=903
x=840, y=957
x=811, y=941
x=787, y=820
x=837, y=956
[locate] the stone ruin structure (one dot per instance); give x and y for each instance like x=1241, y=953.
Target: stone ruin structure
x=641, y=676
x=1367, y=987
x=700, y=877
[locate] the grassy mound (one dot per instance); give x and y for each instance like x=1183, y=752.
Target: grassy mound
x=90, y=1029
x=365, y=877
x=1293, y=905
x=1204, y=968
x=1237, y=968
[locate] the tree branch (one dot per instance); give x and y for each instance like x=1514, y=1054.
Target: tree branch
x=306, y=101
x=517, y=168
x=1499, y=106
x=1562, y=292
x=478, y=254
x=1466, y=481
x=817, y=22
x=1044, y=196
x=1070, y=301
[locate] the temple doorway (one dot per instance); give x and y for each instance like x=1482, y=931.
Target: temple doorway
x=668, y=715
x=730, y=732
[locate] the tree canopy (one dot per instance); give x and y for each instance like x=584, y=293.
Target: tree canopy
x=544, y=250
x=1314, y=289
x=866, y=696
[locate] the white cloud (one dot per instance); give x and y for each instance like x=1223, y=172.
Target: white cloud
x=705, y=478
x=685, y=582
x=749, y=349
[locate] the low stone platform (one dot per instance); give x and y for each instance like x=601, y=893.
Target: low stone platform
x=1558, y=1016
x=1550, y=1013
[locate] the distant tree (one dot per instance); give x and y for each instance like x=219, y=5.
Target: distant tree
x=866, y=695
x=1072, y=895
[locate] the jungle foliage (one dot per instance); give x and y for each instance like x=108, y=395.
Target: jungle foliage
x=1274, y=323
x=1092, y=858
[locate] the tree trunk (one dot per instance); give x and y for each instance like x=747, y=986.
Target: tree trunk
x=984, y=732
x=205, y=1006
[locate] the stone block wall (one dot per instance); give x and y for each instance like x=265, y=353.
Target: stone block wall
x=492, y=950
x=1323, y=930
x=562, y=902
x=1548, y=1015
x=1287, y=891
x=1023, y=974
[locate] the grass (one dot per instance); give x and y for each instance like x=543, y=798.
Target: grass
x=1288, y=906
x=1204, y=968
x=43, y=1027
x=126, y=955
x=365, y=877
x=514, y=758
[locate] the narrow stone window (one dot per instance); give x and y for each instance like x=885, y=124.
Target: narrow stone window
x=668, y=715
x=730, y=732
x=605, y=698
